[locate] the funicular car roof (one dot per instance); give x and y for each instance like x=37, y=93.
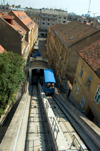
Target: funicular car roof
x=49, y=76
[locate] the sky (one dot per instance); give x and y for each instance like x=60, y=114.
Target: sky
x=77, y=6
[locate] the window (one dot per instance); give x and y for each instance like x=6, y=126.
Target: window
x=48, y=23
x=81, y=73
x=64, y=17
x=89, y=81
x=48, y=19
x=43, y=23
x=64, y=22
x=82, y=101
x=77, y=89
x=43, y=18
x=97, y=96
x=59, y=17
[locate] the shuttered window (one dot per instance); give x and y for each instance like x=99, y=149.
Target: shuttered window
x=82, y=101
x=97, y=96
x=77, y=89
x=81, y=73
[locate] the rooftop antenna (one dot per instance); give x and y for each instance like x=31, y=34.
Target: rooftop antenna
x=89, y=7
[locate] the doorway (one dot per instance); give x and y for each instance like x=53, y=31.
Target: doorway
x=90, y=115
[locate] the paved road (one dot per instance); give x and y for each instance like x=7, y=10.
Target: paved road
x=42, y=47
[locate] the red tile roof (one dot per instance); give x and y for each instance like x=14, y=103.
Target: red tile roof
x=36, y=26
x=91, y=55
x=72, y=32
x=24, y=18
x=88, y=24
x=15, y=25
x=2, y=50
x=18, y=28
x=7, y=17
x=0, y=14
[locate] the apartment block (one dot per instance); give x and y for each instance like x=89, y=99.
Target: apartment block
x=63, y=42
x=18, y=33
x=12, y=36
x=47, y=17
x=86, y=85
x=29, y=25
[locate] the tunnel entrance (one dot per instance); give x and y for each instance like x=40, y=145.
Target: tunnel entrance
x=37, y=76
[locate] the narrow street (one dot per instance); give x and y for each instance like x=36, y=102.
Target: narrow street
x=42, y=46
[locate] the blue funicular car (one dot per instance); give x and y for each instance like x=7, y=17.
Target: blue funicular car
x=49, y=81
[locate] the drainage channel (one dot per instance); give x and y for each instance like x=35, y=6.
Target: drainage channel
x=38, y=136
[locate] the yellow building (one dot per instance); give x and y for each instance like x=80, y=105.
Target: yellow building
x=86, y=85
x=63, y=42
x=29, y=25
x=33, y=36
x=57, y=53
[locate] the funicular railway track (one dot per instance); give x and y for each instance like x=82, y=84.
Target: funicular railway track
x=37, y=137
x=48, y=128
x=42, y=132
x=73, y=139
x=79, y=137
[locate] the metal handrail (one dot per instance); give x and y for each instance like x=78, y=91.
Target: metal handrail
x=55, y=127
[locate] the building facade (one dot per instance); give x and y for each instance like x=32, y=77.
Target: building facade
x=29, y=25
x=18, y=32
x=57, y=52
x=12, y=36
x=47, y=17
x=63, y=42
x=86, y=85
x=5, y=7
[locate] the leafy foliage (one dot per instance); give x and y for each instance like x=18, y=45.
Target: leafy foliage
x=11, y=75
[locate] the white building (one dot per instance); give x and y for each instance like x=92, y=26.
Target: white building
x=47, y=17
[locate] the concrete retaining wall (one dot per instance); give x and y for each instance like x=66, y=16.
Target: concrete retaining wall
x=15, y=136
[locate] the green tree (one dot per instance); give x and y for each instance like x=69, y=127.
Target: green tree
x=11, y=75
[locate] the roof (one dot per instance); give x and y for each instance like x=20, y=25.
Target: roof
x=18, y=28
x=91, y=55
x=49, y=75
x=72, y=32
x=2, y=50
x=26, y=20
x=38, y=64
x=7, y=16
x=14, y=24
